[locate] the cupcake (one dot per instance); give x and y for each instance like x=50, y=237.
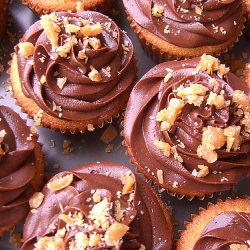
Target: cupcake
x=21, y=168
x=186, y=127
x=3, y=16
x=177, y=29
x=73, y=71
x=45, y=6
x=225, y=225
x=98, y=206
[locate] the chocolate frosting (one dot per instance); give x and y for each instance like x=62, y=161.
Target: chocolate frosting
x=218, y=21
x=80, y=99
x=150, y=95
x=225, y=229
x=17, y=168
x=3, y=16
x=148, y=224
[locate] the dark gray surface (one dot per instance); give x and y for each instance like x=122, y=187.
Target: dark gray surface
x=88, y=147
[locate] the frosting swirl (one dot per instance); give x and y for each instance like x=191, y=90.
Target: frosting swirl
x=17, y=168
x=97, y=198
x=188, y=24
x=80, y=66
x=179, y=121
x=224, y=230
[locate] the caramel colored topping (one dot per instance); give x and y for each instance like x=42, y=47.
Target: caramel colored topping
x=163, y=146
x=168, y=116
x=36, y=200
x=168, y=75
x=175, y=184
x=175, y=154
x=67, y=147
x=194, y=94
x=223, y=69
x=26, y=49
x=66, y=219
x=51, y=29
x=91, y=30
x=217, y=100
x=82, y=55
x=208, y=63
x=55, y=243
x=198, y=10
x=2, y=135
x=196, y=100
x=193, y=89
x=94, y=75
x=128, y=182
x=160, y=176
x=55, y=107
x=99, y=214
x=119, y=213
x=109, y=134
x=243, y=103
x=61, y=82
x=204, y=171
x=64, y=50
x=115, y=233
x=157, y=10
x=212, y=138
x=213, y=81
x=94, y=43
x=142, y=247
x=96, y=197
x=238, y=247
x=38, y=117
x=72, y=220
x=233, y=137
x=71, y=28
x=241, y=100
x=81, y=241
x=15, y=239
x=90, y=127
x=61, y=182
x=43, y=79
x=94, y=240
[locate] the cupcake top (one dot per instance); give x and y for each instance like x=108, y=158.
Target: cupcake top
x=188, y=24
x=98, y=206
x=187, y=126
x=75, y=66
x=17, y=167
x=224, y=225
x=226, y=230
